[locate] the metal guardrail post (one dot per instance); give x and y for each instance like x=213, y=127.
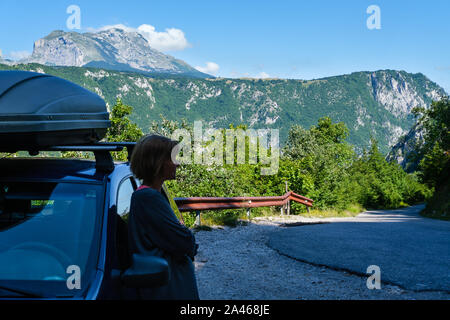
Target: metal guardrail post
x=287, y=207
x=248, y=210
x=198, y=221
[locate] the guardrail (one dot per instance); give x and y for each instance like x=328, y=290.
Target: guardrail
x=199, y=204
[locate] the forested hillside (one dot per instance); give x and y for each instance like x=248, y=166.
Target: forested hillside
x=371, y=104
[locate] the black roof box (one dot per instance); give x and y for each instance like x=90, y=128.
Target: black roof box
x=40, y=110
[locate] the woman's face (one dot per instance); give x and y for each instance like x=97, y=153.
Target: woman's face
x=170, y=169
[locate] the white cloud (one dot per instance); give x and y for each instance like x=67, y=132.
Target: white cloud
x=262, y=75
x=211, y=68
x=112, y=26
x=171, y=39
x=18, y=55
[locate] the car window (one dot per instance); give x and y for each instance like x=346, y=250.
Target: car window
x=46, y=228
x=124, y=193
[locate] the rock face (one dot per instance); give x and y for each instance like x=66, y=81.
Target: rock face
x=397, y=94
x=404, y=152
x=114, y=49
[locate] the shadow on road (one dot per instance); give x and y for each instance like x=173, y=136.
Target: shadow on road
x=413, y=254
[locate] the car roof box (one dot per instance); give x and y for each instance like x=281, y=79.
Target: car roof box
x=40, y=110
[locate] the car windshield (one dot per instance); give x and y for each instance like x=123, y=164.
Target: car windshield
x=48, y=237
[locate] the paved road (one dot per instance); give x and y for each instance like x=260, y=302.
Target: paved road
x=412, y=252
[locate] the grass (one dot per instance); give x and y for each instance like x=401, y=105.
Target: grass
x=351, y=211
x=229, y=218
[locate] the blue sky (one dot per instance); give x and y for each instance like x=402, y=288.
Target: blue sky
x=257, y=38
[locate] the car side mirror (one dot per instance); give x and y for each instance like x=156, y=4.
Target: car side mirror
x=146, y=272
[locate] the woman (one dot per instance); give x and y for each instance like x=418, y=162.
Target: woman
x=153, y=226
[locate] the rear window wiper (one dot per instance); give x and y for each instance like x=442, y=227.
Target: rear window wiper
x=24, y=293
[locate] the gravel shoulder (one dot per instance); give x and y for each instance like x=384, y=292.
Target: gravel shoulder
x=237, y=264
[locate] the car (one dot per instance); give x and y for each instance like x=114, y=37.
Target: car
x=63, y=222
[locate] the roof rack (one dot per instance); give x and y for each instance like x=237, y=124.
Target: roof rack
x=103, y=159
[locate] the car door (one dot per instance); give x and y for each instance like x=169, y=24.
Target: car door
x=123, y=203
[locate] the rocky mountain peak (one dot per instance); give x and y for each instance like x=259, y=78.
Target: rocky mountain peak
x=399, y=92
x=114, y=48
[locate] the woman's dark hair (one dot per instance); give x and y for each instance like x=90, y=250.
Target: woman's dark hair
x=149, y=155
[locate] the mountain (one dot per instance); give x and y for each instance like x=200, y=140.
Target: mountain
x=114, y=49
x=374, y=104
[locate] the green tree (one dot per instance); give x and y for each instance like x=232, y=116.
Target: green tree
x=325, y=168
x=122, y=129
x=434, y=168
x=323, y=157
x=436, y=148
x=384, y=184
